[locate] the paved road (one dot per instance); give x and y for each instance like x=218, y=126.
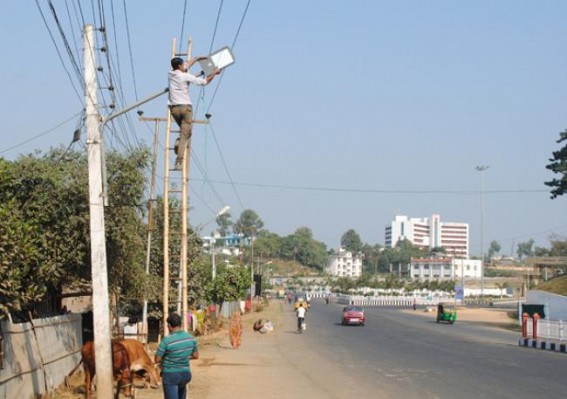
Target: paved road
x=407, y=356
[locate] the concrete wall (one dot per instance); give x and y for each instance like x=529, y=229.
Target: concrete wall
x=555, y=305
x=38, y=355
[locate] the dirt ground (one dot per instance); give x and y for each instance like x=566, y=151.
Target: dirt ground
x=223, y=372
x=503, y=318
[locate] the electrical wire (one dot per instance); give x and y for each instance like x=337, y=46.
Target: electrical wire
x=233, y=46
x=130, y=50
x=225, y=165
x=58, y=52
x=182, y=25
x=377, y=191
x=216, y=26
x=41, y=134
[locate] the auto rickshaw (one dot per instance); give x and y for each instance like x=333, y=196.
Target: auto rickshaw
x=446, y=313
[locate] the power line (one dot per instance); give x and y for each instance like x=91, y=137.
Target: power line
x=41, y=134
x=216, y=27
x=376, y=191
x=182, y=25
x=58, y=52
x=233, y=45
x=130, y=50
x=225, y=166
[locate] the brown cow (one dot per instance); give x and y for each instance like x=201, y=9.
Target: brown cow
x=140, y=360
x=120, y=367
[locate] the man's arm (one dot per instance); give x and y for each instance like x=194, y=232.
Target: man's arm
x=157, y=359
x=194, y=60
x=212, y=75
x=195, y=355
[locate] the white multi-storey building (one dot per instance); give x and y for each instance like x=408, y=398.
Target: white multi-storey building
x=344, y=264
x=430, y=233
x=444, y=268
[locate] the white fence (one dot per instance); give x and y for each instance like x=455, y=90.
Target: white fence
x=401, y=301
x=38, y=355
x=554, y=330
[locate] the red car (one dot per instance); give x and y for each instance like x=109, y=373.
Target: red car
x=353, y=315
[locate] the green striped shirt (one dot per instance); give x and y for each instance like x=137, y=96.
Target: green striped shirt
x=175, y=350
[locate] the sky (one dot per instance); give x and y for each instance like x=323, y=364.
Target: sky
x=335, y=116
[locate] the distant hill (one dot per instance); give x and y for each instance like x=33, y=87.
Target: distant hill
x=557, y=286
x=290, y=269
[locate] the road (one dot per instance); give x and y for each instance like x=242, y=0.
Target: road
x=399, y=354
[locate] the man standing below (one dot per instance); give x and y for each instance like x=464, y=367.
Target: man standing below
x=180, y=102
x=173, y=354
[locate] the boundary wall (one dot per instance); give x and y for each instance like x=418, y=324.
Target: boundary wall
x=38, y=355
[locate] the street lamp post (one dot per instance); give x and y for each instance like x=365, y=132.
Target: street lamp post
x=214, y=270
x=482, y=169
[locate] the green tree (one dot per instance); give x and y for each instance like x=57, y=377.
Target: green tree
x=267, y=244
x=45, y=199
x=351, y=241
x=225, y=223
x=303, y=248
x=558, y=165
x=125, y=227
x=371, y=257
x=493, y=249
x=249, y=223
x=525, y=248
x=438, y=251
x=558, y=246
x=230, y=284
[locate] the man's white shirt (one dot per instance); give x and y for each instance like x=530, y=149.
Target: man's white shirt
x=179, y=86
x=300, y=312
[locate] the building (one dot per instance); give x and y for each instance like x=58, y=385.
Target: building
x=444, y=268
x=430, y=233
x=344, y=264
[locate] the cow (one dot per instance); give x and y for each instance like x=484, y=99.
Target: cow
x=140, y=360
x=120, y=367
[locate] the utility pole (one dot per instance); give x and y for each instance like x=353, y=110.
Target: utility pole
x=481, y=169
x=151, y=203
x=101, y=315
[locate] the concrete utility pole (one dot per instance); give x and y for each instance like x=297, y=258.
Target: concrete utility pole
x=101, y=314
x=481, y=169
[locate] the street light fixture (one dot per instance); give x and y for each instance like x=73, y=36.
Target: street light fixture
x=482, y=169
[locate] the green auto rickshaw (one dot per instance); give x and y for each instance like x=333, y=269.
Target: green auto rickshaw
x=446, y=313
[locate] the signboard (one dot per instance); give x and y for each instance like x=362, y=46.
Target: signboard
x=459, y=293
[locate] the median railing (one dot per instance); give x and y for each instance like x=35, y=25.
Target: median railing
x=543, y=329
x=400, y=301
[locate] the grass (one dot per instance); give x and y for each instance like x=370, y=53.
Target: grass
x=557, y=286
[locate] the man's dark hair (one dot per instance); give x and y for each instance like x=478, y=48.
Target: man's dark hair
x=175, y=62
x=174, y=320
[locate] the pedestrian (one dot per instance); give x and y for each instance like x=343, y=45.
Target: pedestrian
x=180, y=101
x=300, y=313
x=173, y=354
x=235, y=330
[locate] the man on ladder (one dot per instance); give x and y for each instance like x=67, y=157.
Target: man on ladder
x=180, y=102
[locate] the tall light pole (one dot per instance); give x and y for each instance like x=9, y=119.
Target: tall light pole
x=214, y=270
x=481, y=169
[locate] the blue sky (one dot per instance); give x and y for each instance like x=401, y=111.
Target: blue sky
x=336, y=115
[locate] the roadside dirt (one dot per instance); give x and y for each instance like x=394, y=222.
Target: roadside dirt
x=261, y=367
x=502, y=318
